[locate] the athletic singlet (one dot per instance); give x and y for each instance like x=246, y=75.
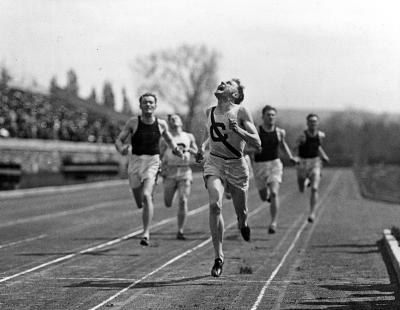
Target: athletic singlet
x=183, y=140
x=145, y=140
x=269, y=145
x=310, y=147
x=224, y=142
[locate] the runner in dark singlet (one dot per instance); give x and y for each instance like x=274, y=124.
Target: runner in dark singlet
x=145, y=131
x=267, y=167
x=310, y=151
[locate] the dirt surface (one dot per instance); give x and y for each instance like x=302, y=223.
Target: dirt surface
x=54, y=253
x=380, y=182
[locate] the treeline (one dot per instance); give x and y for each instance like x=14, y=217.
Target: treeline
x=107, y=99
x=357, y=138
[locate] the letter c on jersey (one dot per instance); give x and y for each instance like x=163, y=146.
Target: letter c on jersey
x=215, y=134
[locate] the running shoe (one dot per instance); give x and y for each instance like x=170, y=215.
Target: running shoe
x=145, y=241
x=272, y=229
x=180, y=236
x=245, y=231
x=217, y=268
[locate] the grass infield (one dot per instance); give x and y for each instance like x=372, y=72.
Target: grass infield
x=379, y=182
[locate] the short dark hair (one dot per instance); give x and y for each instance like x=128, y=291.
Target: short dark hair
x=148, y=95
x=240, y=90
x=312, y=115
x=268, y=108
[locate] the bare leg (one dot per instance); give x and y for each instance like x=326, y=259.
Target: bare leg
x=263, y=194
x=239, y=199
x=274, y=195
x=169, y=192
x=147, y=214
x=300, y=183
x=184, y=192
x=314, y=179
x=138, y=195
x=215, y=192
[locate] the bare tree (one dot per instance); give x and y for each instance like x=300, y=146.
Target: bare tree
x=5, y=77
x=184, y=77
x=53, y=85
x=126, y=105
x=92, y=97
x=108, y=95
x=72, y=83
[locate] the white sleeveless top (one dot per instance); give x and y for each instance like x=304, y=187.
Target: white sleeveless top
x=217, y=147
x=183, y=141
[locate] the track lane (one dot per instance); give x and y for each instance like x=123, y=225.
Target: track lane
x=80, y=267
x=189, y=286
x=72, y=230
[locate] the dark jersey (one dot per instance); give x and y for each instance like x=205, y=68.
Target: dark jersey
x=145, y=140
x=269, y=145
x=310, y=147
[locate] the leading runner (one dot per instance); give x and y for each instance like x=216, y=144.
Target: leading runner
x=229, y=127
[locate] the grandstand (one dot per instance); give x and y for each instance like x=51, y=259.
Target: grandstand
x=59, y=116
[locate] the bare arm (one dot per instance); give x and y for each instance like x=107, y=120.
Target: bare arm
x=300, y=140
x=128, y=129
x=203, y=142
x=321, y=151
x=193, y=146
x=163, y=148
x=285, y=146
x=168, y=138
x=323, y=155
x=249, y=132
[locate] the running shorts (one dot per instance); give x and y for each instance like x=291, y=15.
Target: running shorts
x=309, y=167
x=266, y=172
x=142, y=167
x=232, y=172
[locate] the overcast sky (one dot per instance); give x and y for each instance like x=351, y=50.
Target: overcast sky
x=301, y=54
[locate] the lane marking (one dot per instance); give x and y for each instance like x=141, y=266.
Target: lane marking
x=187, y=252
x=99, y=205
x=102, y=245
x=277, y=268
x=20, y=193
x=2, y=246
x=297, y=262
x=37, y=191
x=275, y=249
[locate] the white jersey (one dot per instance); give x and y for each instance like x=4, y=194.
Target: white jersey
x=223, y=141
x=183, y=141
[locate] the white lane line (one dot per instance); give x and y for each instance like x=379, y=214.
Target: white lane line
x=99, y=205
x=200, y=245
x=102, y=245
x=20, y=193
x=277, y=268
x=2, y=246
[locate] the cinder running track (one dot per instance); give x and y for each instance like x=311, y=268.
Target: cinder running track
x=80, y=250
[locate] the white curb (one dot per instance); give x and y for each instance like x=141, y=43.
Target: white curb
x=393, y=248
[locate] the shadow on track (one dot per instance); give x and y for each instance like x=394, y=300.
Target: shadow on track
x=374, y=292
x=112, y=284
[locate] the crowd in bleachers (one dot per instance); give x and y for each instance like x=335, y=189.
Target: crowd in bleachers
x=24, y=114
